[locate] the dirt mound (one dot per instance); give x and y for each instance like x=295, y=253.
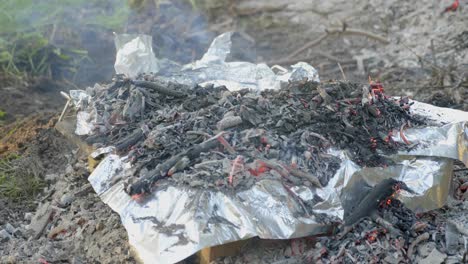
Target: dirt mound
x=25, y=98
x=16, y=136
x=50, y=213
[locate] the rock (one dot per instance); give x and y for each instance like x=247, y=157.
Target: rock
x=8, y=260
x=465, y=203
x=451, y=238
x=54, y=232
x=18, y=232
x=77, y=260
x=4, y=235
x=66, y=200
x=425, y=249
x=419, y=226
x=100, y=226
x=51, y=177
x=28, y=216
x=86, y=205
x=436, y=257
x=69, y=169
x=9, y=228
x=453, y=260
x=40, y=219
x=391, y=259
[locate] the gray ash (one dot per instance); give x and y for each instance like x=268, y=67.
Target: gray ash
x=170, y=129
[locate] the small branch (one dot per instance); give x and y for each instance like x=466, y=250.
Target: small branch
x=287, y=61
x=379, y=220
x=342, y=72
x=353, y=31
x=159, y=88
x=339, y=31
x=307, y=46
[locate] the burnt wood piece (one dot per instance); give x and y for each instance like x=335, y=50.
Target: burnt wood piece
x=144, y=185
x=372, y=200
x=130, y=140
x=159, y=88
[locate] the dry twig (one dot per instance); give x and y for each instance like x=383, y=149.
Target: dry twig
x=338, y=31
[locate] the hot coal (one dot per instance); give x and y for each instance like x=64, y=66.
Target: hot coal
x=379, y=196
x=281, y=134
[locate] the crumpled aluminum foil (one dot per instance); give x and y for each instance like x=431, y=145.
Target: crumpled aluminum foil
x=176, y=221
x=134, y=55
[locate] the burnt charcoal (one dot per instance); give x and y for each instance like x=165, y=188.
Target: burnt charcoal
x=371, y=202
x=280, y=134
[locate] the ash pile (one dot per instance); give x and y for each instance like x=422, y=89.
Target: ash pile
x=210, y=137
x=215, y=152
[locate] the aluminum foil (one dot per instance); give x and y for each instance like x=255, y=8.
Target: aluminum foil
x=177, y=221
x=135, y=56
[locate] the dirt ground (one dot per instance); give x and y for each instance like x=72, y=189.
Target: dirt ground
x=413, y=47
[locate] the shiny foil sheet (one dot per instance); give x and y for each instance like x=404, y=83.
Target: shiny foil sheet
x=176, y=222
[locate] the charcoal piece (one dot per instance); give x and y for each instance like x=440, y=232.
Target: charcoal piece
x=130, y=140
x=372, y=200
x=229, y=122
x=135, y=105
x=159, y=88
x=144, y=185
x=294, y=126
x=250, y=115
x=302, y=174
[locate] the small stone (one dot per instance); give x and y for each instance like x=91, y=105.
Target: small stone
x=465, y=204
x=69, y=169
x=85, y=205
x=361, y=247
x=9, y=228
x=66, y=200
x=425, y=249
x=18, y=232
x=436, y=257
x=54, y=232
x=4, y=235
x=8, y=259
x=40, y=219
x=51, y=177
x=118, y=250
x=391, y=259
x=77, y=260
x=419, y=226
x=28, y=216
x=100, y=226
x=453, y=260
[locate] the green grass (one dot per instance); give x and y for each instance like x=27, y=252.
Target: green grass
x=16, y=182
x=29, y=27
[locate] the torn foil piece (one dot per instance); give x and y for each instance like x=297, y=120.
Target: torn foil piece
x=177, y=221
x=102, y=151
x=135, y=56
x=79, y=98
x=299, y=72
x=84, y=125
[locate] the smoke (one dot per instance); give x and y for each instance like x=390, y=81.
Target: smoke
x=79, y=32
